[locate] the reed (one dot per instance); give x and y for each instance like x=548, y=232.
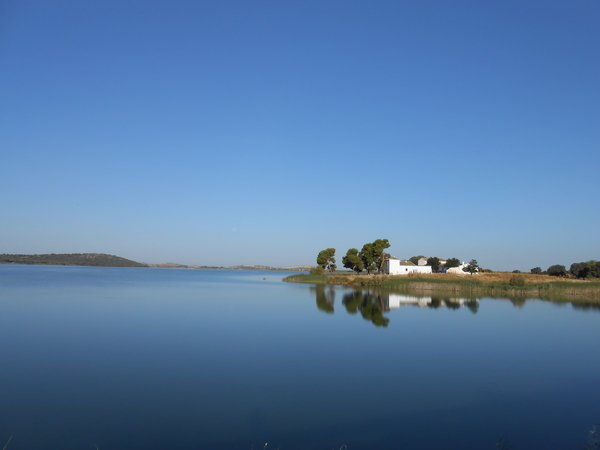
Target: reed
x=492, y=285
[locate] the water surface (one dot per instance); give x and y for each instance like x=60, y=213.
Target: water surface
x=137, y=358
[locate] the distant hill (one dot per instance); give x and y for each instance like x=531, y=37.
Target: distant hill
x=168, y=266
x=71, y=259
x=104, y=260
x=298, y=268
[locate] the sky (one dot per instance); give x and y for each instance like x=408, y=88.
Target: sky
x=261, y=132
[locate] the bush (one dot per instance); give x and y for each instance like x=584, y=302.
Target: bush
x=317, y=271
x=516, y=271
x=517, y=280
x=536, y=270
x=557, y=271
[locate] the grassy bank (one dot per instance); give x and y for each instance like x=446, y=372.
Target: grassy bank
x=486, y=284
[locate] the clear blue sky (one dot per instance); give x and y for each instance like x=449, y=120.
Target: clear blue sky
x=253, y=132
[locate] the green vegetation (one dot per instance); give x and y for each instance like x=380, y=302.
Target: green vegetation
x=452, y=262
x=373, y=255
x=353, y=261
x=434, y=262
x=370, y=258
x=326, y=259
x=517, y=280
x=557, y=271
x=590, y=269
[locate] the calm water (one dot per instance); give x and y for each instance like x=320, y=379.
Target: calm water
x=198, y=359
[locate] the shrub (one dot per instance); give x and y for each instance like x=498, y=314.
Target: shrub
x=557, y=270
x=517, y=280
x=318, y=270
x=536, y=270
x=516, y=271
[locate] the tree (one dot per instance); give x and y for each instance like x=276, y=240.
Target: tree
x=472, y=267
x=452, y=262
x=367, y=255
x=580, y=270
x=353, y=261
x=557, y=270
x=589, y=269
x=594, y=268
x=536, y=270
x=373, y=255
x=434, y=262
x=326, y=259
x=379, y=247
x=415, y=259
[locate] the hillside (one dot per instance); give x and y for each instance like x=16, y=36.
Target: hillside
x=71, y=259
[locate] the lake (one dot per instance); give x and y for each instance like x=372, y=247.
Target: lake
x=139, y=358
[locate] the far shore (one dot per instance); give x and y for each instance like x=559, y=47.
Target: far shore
x=485, y=284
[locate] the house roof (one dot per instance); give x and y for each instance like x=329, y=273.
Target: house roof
x=407, y=263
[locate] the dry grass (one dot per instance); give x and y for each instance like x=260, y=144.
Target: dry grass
x=487, y=278
x=494, y=278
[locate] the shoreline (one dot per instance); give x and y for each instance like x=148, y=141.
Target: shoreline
x=482, y=285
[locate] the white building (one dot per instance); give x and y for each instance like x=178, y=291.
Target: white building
x=459, y=270
x=394, y=266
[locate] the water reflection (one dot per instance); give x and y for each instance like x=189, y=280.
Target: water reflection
x=373, y=303
x=325, y=297
x=370, y=304
x=587, y=306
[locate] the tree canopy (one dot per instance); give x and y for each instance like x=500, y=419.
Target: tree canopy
x=472, y=267
x=434, y=262
x=587, y=269
x=353, y=261
x=452, y=262
x=373, y=255
x=557, y=270
x=326, y=259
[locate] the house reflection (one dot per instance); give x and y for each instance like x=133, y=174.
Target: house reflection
x=396, y=301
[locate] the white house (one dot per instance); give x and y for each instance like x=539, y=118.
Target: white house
x=394, y=266
x=423, y=261
x=459, y=270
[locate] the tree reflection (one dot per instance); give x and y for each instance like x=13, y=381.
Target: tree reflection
x=371, y=306
x=325, y=297
x=586, y=306
x=518, y=302
x=452, y=303
x=473, y=305
x=435, y=303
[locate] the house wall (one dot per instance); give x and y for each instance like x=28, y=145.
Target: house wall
x=393, y=267
x=459, y=270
